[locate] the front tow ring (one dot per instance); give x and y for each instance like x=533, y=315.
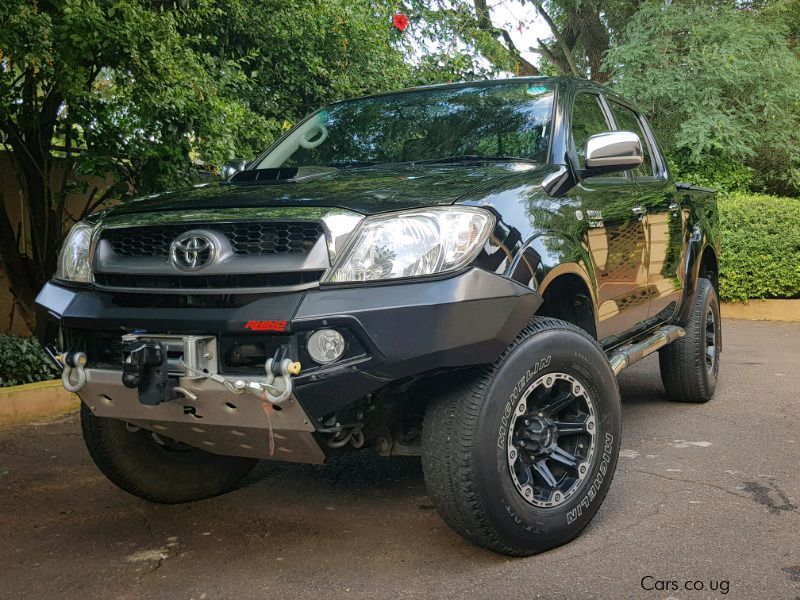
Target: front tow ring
x=73, y=361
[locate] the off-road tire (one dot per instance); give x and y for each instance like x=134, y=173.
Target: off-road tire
x=685, y=371
x=467, y=472
x=138, y=464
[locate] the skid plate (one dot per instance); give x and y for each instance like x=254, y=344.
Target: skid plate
x=218, y=421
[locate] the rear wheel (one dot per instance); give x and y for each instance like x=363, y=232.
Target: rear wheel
x=690, y=366
x=157, y=468
x=519, y=458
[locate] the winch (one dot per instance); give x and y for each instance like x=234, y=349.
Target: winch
x=155, y=365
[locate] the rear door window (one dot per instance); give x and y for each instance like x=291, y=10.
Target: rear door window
x=628, y=120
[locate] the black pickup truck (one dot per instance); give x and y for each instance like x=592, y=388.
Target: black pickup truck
x=457, y=272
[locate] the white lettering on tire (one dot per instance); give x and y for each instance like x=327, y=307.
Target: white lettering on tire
x=512, y=399
x=602, y=471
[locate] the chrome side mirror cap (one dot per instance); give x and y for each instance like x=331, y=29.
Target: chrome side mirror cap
x=232, y=167
x=613, y=151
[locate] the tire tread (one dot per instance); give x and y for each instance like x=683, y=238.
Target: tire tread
x=682, y=363
x=97, y=434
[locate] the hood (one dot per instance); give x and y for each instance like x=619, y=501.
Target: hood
x=365, y=190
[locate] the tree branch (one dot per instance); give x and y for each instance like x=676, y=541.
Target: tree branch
x=559, y=38
x=17, y=268
x=547, y=52
x=92, y=204
x=485, y=23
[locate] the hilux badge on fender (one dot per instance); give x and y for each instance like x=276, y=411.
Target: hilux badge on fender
x=192, y=250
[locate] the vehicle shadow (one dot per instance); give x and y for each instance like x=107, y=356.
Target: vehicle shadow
x=640, y=384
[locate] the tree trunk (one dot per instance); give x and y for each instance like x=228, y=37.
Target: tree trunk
x=28, y=268
x=17, y=267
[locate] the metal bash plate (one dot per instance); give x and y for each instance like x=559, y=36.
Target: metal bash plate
x=218, y=421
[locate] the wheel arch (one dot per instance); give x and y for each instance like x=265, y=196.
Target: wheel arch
x=568, y=296
x=709, y=267
x=702, y=262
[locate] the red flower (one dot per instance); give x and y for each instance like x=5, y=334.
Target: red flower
x=400, y=21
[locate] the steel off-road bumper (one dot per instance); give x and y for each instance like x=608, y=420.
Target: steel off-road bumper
x=395, y=331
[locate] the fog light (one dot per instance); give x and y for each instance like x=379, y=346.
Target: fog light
x=325, y=346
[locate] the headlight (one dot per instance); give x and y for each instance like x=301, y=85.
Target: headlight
x=73, y=261
x=413, y=243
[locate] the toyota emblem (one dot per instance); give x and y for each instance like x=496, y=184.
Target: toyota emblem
x=192, y=250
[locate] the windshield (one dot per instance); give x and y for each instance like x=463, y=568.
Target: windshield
x=507, y=121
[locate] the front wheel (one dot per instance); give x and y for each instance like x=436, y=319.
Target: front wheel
x=158, y=468
x=519, y=458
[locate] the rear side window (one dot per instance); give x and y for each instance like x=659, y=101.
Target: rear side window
x=588, y=119
x=627, y=120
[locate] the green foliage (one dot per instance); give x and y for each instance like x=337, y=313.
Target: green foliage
x=722, y=174
x=22, y=360
x=721, y=87
x=146, y=88
x=449, y=41
x=760, y=247
x=282, y=59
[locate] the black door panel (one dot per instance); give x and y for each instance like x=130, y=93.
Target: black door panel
x=662, y=217
x=614, y=230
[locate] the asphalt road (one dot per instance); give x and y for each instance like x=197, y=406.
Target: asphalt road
x=704, y=495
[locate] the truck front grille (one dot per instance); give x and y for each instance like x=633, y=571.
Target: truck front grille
x=246, y=238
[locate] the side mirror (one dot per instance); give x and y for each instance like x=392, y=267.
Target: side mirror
x=613, y=151
x=232, y=167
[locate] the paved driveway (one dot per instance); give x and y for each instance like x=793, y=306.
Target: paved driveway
x=704, y=495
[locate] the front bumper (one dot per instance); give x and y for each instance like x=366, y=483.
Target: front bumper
x=399, y=330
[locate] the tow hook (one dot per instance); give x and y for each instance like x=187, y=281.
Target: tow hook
x=278, y=386
x=73, y=361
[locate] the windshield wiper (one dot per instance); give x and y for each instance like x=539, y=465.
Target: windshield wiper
x=471, y=158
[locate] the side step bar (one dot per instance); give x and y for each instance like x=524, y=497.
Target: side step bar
x=635, y=352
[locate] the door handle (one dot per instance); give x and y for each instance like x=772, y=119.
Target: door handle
x=639, y=211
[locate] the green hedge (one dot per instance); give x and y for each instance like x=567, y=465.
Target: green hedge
x=22, y=360
x=760, y=247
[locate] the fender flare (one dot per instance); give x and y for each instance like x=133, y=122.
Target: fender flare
x=537, y=264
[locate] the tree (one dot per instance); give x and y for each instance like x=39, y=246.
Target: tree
x=89, y=89
x=581, y=32
x=720, y=85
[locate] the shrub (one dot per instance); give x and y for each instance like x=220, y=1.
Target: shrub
x=23, y=360
x=760, y=247
x=715, y=172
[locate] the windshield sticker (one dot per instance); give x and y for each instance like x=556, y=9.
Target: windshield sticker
x=535, y=90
